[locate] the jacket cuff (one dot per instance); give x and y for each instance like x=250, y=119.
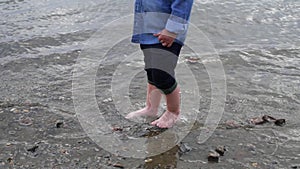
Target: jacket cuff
x=176, y=27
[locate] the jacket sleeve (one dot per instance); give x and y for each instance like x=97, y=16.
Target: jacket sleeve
x=179, y=18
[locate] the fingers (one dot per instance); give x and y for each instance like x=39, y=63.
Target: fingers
x=165, y=44
x=157, y=34
x=170, y=44
x=165, y=40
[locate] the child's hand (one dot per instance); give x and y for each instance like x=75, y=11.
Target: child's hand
x=165, y=37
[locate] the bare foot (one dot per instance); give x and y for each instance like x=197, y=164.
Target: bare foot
x=167, y=120
x=143, y=112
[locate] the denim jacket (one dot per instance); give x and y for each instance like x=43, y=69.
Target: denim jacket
x=152, y=16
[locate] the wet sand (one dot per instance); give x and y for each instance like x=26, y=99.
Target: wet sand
x=39, y=128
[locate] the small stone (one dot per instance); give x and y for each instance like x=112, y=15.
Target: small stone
x=96, y=149
x=15, y=110
x=149, y=160
x=221, y=150
x=255, y=165
x=25, y=121
x=117, y=129
x=118, y=165
x=12, y=132
x=10, y=160
x=33, y=149
x=267, y=118
x=183, y=147
x=232, y=124
x=64, y=151
x=61, y=98
x=213, y=156
x=192, y=59
x=280, y=122
x=25, y=111
x=59, y=124
x=251, y=147
x=8, y=144
x=257, y=120
x=1, y=111
x=107, y=100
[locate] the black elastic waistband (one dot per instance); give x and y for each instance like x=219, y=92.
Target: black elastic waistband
x=175, y=48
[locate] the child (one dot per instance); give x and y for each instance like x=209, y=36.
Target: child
x=160, y=26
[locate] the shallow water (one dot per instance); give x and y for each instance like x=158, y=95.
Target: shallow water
x=258, y=44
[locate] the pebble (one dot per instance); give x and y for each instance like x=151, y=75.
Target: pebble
x=12, y=132
x=33, y=149
x=10, y=160
x=213, y=156
x=25, y=121
x=295, y=166
x=59, y=124
x=8, y=144
x=255, y=165
x=280, y=122
x=221, y=150
x=64, y=151
x=25, y=111
x=61, y=98
x=118, y=165
x=251, y=147
x=15, y=110
x=192, y=59
x=183, y=147
x=149, y=160
x=107, y=100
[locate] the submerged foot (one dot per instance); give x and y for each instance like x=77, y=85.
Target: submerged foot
x=167, y=120
x=143, y=112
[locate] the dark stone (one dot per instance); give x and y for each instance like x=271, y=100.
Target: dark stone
x=280, y=122
x=10, y=159
x=33, y=149
x=118, y=165
x=221, y=150
x=59, y=124
x=267, y=118
x=213, y=156
x=184, y=148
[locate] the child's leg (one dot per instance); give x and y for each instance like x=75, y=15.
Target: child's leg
x=170, y=116
x=152, y=103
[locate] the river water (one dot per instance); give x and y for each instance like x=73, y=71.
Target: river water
x=256, y=41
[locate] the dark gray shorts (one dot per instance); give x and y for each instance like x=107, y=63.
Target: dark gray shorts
x=160, y=64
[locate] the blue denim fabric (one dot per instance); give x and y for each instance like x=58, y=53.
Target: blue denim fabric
x=152, y=16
